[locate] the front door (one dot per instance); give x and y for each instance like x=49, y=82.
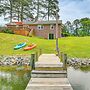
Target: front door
x=51, y=36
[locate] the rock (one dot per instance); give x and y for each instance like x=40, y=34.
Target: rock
x=78, y=61
x=14, y=60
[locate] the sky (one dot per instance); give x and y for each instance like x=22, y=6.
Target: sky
x=70, y=10
x=74, y=9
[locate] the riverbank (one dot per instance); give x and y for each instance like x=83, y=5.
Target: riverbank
x=23, y=60
x=78, y=62
x=15, y=60
x=15, y=68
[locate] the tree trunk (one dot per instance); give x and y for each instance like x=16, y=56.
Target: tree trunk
x=18, y=14
x=10, y=10
x=37, y=17
x=48, y=9
x=76, y=30
x=22, y=13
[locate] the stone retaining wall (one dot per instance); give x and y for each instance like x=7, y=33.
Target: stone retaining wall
x=15, y=60
x=79, y=61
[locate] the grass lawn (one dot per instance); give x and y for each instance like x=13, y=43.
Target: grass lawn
x=73, y=46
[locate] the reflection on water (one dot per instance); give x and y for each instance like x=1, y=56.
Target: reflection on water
x=14, y=80
x=80, y=80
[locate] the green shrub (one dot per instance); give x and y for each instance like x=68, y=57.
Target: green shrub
x=65, y=34
x=8, y=31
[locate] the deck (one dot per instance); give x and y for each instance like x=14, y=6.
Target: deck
x=48, y=74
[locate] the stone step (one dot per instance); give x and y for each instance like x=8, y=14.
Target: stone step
x=49, y=84
x=48, y=74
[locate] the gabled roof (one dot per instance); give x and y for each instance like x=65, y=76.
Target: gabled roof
x=43, y=22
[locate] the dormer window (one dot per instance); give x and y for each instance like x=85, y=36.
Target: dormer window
x=51, y=27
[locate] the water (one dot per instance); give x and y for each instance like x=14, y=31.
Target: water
x=80, y=80
x=14, y=80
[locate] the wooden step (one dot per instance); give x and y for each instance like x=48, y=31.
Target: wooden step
x=48, y=74
x=49, y=84
x=48, y=67
x=49, y=87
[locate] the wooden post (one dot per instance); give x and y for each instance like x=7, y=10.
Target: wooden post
x=65, y=61
x=40, y=52
x=36, y=56
x=58, y=53
x=32, y=61
x=61, y=56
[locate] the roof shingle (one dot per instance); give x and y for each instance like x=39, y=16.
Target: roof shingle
x=43, y=22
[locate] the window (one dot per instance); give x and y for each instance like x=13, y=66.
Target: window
x=51, y=36
x=52, y=27
x=40, y=27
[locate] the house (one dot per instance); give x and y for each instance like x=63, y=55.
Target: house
x=44, y=29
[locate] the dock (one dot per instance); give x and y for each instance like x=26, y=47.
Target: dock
x=49, y=74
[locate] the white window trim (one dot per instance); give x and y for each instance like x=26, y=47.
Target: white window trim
x=40, y=27
x=51, y=27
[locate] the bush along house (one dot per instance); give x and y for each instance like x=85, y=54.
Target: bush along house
x=42, y=29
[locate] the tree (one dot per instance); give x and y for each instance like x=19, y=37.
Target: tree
x=7, y=8
x=76, y=24
x=1, y=9
x=39, y=9
x=85, y=22
x=51, y=7
x=68, y=25
x=20, y=9
x=23, y=9
x=65, y=30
